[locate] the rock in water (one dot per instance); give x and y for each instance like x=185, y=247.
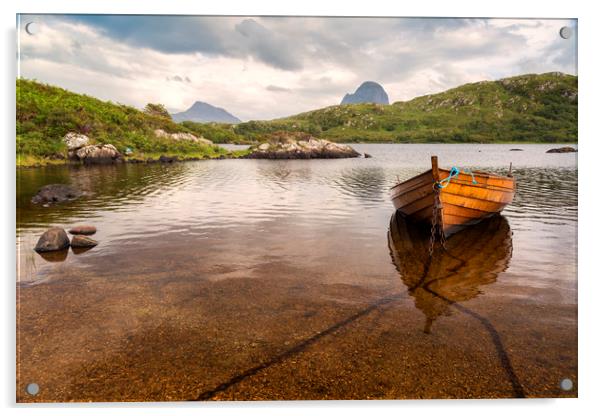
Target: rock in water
x=367, y=156
x=99, y=154
x=289, y=145
x=75, y=141
x=53, y=239
x=81, y=241
x=83, y=230
x=566, y=149
x=168, y=159
x=368, y=92
x=55, y=193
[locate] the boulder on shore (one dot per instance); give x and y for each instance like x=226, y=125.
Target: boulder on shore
x=99, y=154
x=289, y=145
x=55, y=193
x=75, y=141
x=52, y=240
x=565, y=149
x=83, y=230
x=82, y=241
x=182, y=136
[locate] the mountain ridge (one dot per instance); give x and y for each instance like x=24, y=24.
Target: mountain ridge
x=367, y=92
x=202, y=112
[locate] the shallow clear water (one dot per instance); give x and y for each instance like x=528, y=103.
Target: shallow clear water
x=321, y=226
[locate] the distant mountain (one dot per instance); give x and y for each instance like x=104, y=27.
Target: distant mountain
x=368, y=92
x=205, y=113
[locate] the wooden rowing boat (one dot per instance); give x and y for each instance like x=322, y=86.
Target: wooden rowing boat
x=465, y=200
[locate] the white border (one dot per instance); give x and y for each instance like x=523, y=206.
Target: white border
x=590, y=184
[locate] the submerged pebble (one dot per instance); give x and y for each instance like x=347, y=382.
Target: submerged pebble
x=83, y=229
x=81, y=241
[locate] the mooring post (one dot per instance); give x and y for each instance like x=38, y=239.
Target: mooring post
x=437, y=219
x=510, y=170
x=435, y=167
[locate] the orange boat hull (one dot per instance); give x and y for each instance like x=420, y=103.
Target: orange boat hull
x=464, y=202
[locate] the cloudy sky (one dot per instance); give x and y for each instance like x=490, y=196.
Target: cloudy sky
x=269, y=67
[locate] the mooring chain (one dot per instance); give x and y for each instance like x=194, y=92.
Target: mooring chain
x=436, y=226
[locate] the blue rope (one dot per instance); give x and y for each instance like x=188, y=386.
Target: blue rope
x=453, y=173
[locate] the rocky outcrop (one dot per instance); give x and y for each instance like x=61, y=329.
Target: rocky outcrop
x=52, y=240
x=75, y=141
x=83, y=230
x=82, y=241
x=566, y=149
x=300, y=146
x=55, y=193
x=182, y=136
x=80, y=151
x=99, y=154
x=368, y=92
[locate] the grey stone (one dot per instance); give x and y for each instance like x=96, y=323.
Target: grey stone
x=99, y=154
x=566, y=149
x=55, y=193
x=75, y=141
x=82, y=241
x=83, y=229
x=52, y=240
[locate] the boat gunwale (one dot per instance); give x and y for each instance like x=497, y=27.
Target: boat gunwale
x=476, y=173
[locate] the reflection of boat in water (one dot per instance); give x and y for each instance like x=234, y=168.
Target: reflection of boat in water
x=471, y=259
x=466, y=197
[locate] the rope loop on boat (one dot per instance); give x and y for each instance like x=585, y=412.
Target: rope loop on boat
x=454, y=172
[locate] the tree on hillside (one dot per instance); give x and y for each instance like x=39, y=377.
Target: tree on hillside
x=158, y=110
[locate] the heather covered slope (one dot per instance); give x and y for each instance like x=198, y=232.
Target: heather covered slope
x=526, y=108
x=46, y=113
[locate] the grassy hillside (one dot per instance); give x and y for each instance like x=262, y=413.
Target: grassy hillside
x=46, y=113
x=527, y=108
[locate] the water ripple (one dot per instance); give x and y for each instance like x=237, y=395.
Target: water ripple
x=349, y=197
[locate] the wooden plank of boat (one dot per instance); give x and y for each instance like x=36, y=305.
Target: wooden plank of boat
x=464, y=201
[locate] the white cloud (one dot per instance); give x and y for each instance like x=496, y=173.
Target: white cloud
x=311, y=63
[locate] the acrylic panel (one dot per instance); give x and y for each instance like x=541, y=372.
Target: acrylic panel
x=295, y=208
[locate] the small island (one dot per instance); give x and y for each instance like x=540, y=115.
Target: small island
x=289, y=145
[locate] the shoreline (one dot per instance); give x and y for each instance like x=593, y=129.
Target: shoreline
x=39, y=162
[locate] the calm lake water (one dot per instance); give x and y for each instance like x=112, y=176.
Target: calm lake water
x=259, y=279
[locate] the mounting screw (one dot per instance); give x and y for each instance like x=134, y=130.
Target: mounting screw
x=32, y=388
x=566, y=384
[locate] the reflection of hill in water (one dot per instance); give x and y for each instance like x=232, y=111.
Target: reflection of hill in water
x=473, y=258
x=107, y=187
